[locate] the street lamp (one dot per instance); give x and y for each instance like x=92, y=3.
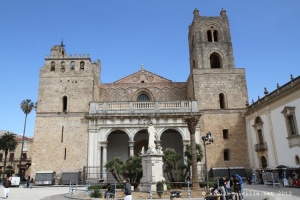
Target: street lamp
x=207, y=139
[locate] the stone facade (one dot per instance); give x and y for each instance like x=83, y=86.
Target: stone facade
x=80, y=123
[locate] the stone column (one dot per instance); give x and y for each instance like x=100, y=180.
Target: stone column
x=131, y=148
x=104, y=159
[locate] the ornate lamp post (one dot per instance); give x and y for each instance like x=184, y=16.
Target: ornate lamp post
x=207, y=139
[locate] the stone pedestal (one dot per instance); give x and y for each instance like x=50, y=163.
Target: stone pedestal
x=152, y=171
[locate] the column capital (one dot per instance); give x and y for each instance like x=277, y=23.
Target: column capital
x=131, y=143
x=103, y=143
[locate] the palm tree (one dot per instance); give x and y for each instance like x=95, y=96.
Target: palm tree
x=7, y=143
x=26, y=106
x=192, y=122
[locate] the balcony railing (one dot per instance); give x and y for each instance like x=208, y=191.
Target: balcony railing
x=143, y=107
x=15, y=160
x=261, y=146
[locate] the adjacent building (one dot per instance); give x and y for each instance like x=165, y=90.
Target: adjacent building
x=13, y=157
x=273, y=128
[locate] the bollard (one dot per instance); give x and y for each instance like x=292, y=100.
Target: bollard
x=189, y=191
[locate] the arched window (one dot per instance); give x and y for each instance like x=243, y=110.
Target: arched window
x=226, y=154
x=194, y=64
x=65, y=103
x=81, y=65
x=209, y=36
x=264, y=163
x=258, y=120
x=215, y=36
x=297, y=160
x=222, y=101
x=72, y=66
x=215, y=61
x=143, y=97
x=52, y=66
x=63, y=68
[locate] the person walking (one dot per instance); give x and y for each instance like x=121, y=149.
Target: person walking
x=127, y=190
x=27, y=180
x=241, y=185
x=6, y=184
x=31, y=183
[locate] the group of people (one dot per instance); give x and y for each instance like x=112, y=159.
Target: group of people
x=110, y=192
x=225, y=184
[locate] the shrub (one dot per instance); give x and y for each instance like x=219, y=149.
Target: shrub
x=96, y=194
x=160, y=188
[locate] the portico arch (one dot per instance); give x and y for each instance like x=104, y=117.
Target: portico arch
x=140, y=141
x=171, y=138
x=117, y=145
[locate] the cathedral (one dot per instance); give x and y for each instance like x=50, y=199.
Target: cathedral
x=82, y=123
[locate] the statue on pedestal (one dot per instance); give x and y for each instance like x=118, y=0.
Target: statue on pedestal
x=152, y=137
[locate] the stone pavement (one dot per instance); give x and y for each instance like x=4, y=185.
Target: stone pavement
x=252, y=192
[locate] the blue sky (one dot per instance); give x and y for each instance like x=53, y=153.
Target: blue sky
x=124, y=34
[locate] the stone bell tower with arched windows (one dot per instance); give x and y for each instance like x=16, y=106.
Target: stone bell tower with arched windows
x=219, y=88
x=67, y=84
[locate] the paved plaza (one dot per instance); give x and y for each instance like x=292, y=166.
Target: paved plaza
x=252, y=192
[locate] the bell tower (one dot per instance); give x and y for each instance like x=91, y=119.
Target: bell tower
x=219, y=88
x=210, y=42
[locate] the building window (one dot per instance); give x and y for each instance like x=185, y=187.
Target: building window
x=215, y=60
x=222, y=101
x=62, y=134
x=297, y=160
x=209, y=36
x=65, y=103
x=212, y=34
x=226, y=155
x=1, y=157
x=11, y=156
x=63, y=68
x=65, y=155
x=225, y=134
x=81, y=65
x=72, y=66
x=52, y=66
x=215, y=36
x=264, y=163
x=194, y=64
x=260, y=136
x=24, y=156
x=291, y=126
x=143, y=97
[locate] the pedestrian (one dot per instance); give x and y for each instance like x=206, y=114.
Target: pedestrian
x=228, y=185
x=31, y=183
x=222, y=187
x=241, y=183
x=27, y=180
x=127, y=189
x=110, y=192
x=6, y=184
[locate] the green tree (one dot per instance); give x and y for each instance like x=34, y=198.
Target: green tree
x=188, y=155
x=7, y=143
x=192, y=122
x=26, y=106
x=116, y=167
x=173, y=168
x=131, y=169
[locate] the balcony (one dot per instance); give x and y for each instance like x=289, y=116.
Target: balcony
x=14, y=159
x=143, y=107
x=261, y=146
